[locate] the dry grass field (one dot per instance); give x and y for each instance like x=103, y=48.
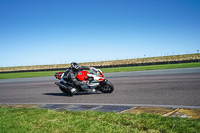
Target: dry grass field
x=108, y=63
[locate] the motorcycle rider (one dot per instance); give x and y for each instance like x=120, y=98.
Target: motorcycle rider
x=70, y=76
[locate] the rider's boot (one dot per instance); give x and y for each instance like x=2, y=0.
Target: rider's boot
x=69, y=89
x=73, y=90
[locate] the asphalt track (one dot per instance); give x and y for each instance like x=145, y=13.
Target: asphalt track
x=155, y=88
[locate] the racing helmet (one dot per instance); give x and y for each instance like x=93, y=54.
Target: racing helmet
x=75, y=67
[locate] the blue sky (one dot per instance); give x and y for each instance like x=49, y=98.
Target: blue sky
x=41, y=32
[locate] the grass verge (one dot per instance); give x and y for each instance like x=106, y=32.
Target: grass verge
x=44, y=120
x=151, y=67
x=105, y=70
x=26, y=74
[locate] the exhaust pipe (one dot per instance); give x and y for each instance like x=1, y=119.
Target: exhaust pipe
x=61, y=85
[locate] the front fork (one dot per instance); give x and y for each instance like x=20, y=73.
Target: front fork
x=103, y=83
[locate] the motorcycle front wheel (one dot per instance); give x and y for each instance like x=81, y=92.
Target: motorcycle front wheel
x=107, y=87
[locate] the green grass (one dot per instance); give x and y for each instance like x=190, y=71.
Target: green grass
x=26, y=74
x=151, y=67
x=105, y=70
x=44, y=120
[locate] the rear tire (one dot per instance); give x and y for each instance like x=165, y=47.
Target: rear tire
x=66, y=91
x=107, y=88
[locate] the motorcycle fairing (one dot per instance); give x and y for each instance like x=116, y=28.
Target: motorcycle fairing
x=82, y=75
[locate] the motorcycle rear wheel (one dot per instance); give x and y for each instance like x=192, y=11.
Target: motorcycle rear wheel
x=66, y=91
x=107, y=88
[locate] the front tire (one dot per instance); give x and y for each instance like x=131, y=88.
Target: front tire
x=107, y=87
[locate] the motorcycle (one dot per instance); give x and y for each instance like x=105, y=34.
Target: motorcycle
x=95, y=82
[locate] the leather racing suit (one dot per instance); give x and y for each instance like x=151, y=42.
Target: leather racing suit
x=70, y=76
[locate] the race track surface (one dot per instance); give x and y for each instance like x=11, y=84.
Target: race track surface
x=179, y=87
